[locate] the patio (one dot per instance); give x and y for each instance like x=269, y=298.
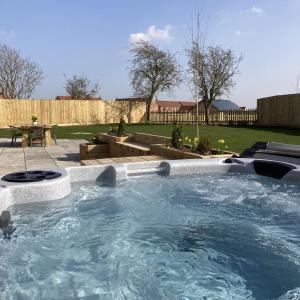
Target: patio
x=64, y=154
x=16, y=158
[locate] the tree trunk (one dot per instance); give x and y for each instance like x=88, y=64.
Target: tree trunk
x=148, y=108
x=129, y=112
x=206, y=108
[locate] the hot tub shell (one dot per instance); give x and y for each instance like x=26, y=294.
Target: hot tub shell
x=54, y=189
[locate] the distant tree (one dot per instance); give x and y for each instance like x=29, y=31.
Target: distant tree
x=297, y=84
x=18, y=76
x=121, y=109
x=80, y=87
x=211, y=69
x=152, y=71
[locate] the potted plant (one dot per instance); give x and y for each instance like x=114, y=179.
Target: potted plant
x=176, y=139
x=116, y=134
x=96, y=148
x=121, y=130
x=34, y=120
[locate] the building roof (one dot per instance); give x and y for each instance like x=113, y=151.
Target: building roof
x=175, y=104
x=166, y=103
x=136, y=99
x=70, y=98
x=188, y=103
x=225, y=105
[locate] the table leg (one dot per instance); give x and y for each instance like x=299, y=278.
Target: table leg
x=47, y=133
x=25, y=138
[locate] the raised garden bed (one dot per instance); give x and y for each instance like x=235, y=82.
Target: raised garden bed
x=92, y=151
x=113, y=138
x=172, y=153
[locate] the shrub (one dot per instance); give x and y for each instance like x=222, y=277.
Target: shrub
x=204, y=145
x=121, y=131
x=192, y=143
x=176, y=140
x=97, y=139
x=113, y=130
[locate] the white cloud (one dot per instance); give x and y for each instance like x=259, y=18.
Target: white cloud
x=152, y=33
x=238, y=33
x=255, y=10
x=6, y=34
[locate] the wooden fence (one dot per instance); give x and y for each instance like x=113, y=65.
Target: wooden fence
x=283, y=111
x=226, y=117
x=69, y=112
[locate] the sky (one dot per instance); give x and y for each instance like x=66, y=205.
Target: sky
x=94, y=37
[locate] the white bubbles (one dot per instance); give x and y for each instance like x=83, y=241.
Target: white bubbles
x=221, y=237
x=291, y=295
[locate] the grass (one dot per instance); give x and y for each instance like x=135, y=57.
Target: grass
x=237, y=138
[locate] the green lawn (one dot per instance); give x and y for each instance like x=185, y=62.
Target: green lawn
x=237, y=138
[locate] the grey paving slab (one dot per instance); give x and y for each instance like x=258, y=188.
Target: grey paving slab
x=10, y=170
x=60, y=163
x=15, y=158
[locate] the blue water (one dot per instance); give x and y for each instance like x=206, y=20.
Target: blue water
x=212, y=237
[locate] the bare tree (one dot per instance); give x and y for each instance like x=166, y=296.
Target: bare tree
x=18, y=76
x=297, y=84
x=80, y=87
x=121, y=109
x=211, y=69
x=152, y=71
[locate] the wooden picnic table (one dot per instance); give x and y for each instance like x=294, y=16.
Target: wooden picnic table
x=26, y=129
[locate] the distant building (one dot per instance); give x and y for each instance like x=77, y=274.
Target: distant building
x=183, y=106
x=171, y=105
x=220, y=105
x=70, y=98
x=135, y=99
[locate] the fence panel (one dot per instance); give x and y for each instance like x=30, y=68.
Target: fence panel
x=226, y=117
x=69, y=112
x=282, y=110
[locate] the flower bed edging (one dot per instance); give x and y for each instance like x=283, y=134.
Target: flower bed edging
x=171, y=153
x=91, y=151
x=112, y=139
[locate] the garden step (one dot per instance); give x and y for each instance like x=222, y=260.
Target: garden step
x=135, y=145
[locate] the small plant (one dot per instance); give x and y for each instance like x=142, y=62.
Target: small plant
x=121, y=131
x=204, y=145
x=192, y=143
x=34, y=119
x=113, y=130
x=176, y=140
x=97, y=139
x=222, y=146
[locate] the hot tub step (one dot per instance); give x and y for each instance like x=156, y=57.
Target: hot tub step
x=146, y=171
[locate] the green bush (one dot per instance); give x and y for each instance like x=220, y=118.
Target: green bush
x=113, y=130
x=97, y=140
x=204, y=145
x=176, y=140
x=121, y=131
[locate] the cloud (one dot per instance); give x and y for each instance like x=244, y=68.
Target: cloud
x=255, y=10
x=238, y=33
x=6, y=34
x=152, y=33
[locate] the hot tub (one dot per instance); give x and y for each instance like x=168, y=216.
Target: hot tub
x=195, y=229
